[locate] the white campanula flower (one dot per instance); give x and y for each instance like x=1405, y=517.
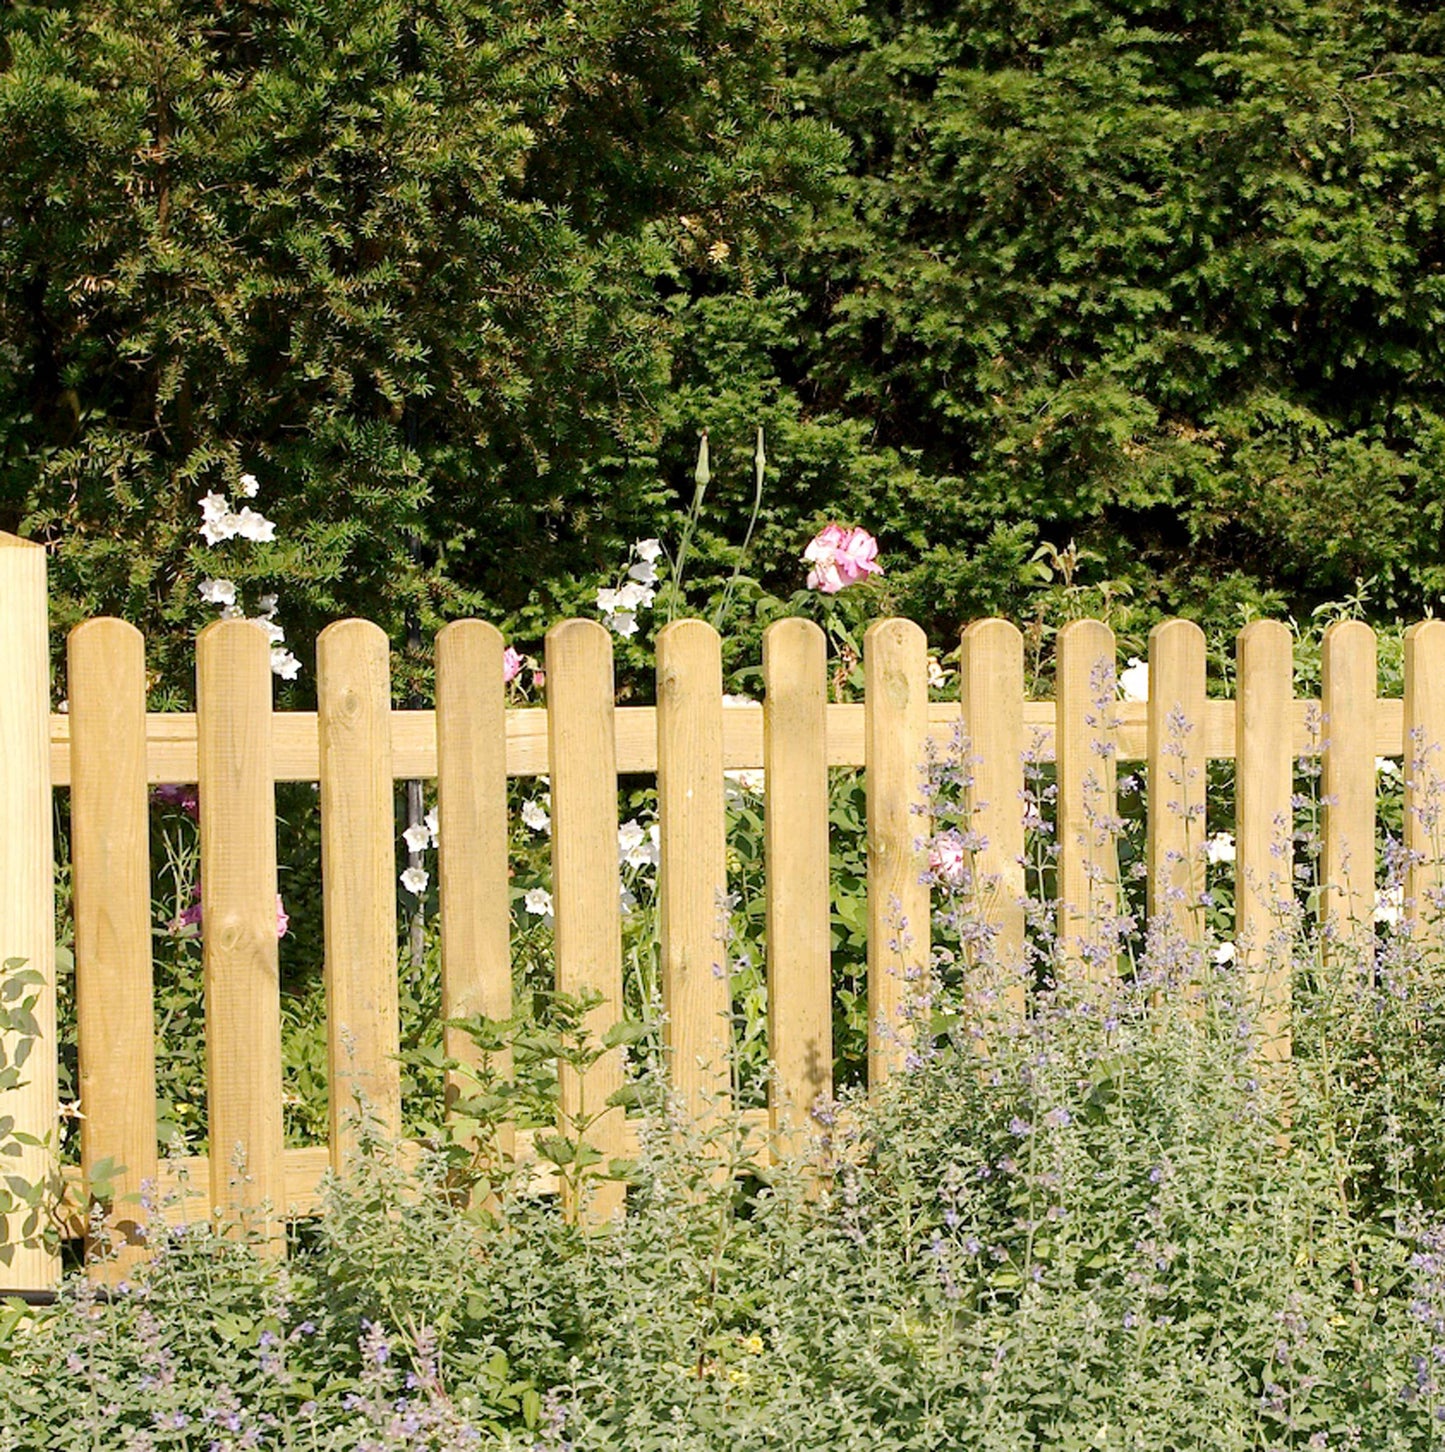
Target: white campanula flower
x=215, y=514
x=415, y=879
x=535, y=817
x=285, y=665
x=417, y=837
x=433, y=826
x=218, y=592
x=248, y=486
x=638, y=846
x=1134, y=680
x=1386, y=766
x=647, y=550
x=538, y=902
x=624, y=622
x=267, y=605
x=644, y=573
x=1220, y=848
x=634, y=596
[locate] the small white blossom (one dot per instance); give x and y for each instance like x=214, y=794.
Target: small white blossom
x=535, y=817
x=937, y=676
x=738, y=701
x=416, y=837
x=217, y=521
x=433, y=826
x=253, y=526
x=624, y=623
x=1224, y=954
x=645, y=573
x=747, y=780
x=647, y=550
x=274, y=633
x=607, y=601
x=249, y=486
x=285, y=665
x=267, y=605
x=538, y=902
x=1387, y=766
x=1220, y=848
x=415, y=879
x=626, y=900
x=1134, y=680
x=218, y=592
x=1390, y=904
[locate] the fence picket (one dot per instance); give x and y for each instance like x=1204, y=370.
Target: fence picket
x=238, y=923
x=111, y=899
x=991, y=671
x=692, y=875
x=1348, y=861
x=895, y=693
x=358, y=879
x=586, y=884
x=1424, y=772
x=476, y=920
x=1084, y=748
x=27, y=880
x=795, y=831
x=1264, y=847
x=1176, y=777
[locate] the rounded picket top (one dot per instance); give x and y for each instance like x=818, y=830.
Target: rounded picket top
x=103, y=632
x=467, y=646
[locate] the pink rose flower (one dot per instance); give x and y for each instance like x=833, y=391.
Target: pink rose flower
x=840, y=557
x=511, y=665
x=947, y=860
x=191, y=916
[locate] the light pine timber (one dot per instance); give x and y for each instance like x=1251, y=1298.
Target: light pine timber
x=111, y=891
x=358, y=883
x=238, y=926
x=795, y=836
x=171, y=738
x=1264, y=823
x=27, y=883
x=586, y=884
x=895, y=696
x=1424, y=773
x=1085, y=742
x=476, y=920
x=991, y=682
x=692, y=875
x=1348, y=783
x=1176, y=778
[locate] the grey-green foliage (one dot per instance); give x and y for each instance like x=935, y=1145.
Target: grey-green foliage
x=1119, y=1229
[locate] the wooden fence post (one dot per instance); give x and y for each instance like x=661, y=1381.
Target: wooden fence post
x=895, y=717
x=111, y=890
x=1085, y=741
x=237, y=790
x=358, y=879
x=1425, y=781
x=692, y=875
x=795, y=848
x=586, y=882
x=27, y=875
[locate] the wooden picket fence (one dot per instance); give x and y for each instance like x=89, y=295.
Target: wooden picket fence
x=109, y=752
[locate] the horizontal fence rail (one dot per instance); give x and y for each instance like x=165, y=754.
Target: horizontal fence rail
x=171, y=738
x=108, y=752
